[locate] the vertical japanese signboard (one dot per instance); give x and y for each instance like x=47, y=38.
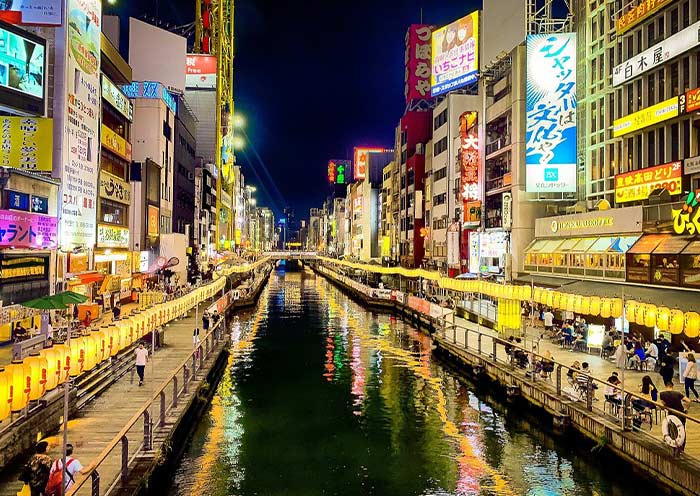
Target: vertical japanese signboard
x=79, y=170
x=469, y=156
x=455, y=55
x=551, y=113
x=417, y=62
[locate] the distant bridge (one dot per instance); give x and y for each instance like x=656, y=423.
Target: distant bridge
x=291, y=255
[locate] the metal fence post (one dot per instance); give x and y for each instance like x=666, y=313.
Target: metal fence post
x=147, y=441
x=478, y=343
x=558, y=380
x=589, y=394
x=162, y=409
x=175, y=391
x=466, y=338
x=125, y=458
x=185, y=378
x=495, y=356
x=95, y=483
x=201, y=356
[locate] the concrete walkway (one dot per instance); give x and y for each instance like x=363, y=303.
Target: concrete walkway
x=99, y=421
x=600, y=369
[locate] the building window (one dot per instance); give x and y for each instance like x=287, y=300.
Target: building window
x=440, y=120
x=440, y=174
x=440, y=146
x=439, y=199
x=112, y=212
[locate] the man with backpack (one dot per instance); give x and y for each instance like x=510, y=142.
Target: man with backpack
x=36, y=472
x=73, y=467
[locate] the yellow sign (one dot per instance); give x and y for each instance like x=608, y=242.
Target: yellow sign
x=27, y=143
x=153, y=221
x=642, y=10
x=571, y=225
x=637, y=185
x=686, y=220
x=114, y=143
x=112, y=236
x=238, y=236
x=647, y=117
x=386, y=246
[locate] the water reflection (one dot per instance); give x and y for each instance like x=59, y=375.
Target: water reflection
x=324, y=397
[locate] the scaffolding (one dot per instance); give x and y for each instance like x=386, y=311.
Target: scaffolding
x=549, y=16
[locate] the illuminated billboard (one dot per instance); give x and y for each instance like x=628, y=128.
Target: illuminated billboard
x=27, y=143
x=455, y=55
x=200, y=71
x=637, y=185
x=417, y=62
x=550, y=155
x=668, y=109
x=31, y=12
x=338, y=171
x=469, y=155
x=362, y=161
x=22, y=70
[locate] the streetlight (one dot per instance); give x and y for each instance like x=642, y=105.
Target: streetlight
x=237, y=142
x=238, y=121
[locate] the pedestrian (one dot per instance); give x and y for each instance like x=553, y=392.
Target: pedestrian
x=666, y=369
x=117, y=311
x=36, y=473
x=141, y=361
x=690, y=374
x=674, y=400
x=73, y=467
x=196, y=341
x=205, y=322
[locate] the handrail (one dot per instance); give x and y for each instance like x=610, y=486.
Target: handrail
x=504, y=342
x=117, y=439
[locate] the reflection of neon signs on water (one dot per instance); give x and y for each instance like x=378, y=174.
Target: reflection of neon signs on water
x=358, y=374
x=551, y=108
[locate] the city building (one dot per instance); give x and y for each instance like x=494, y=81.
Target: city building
x=185, y=162
x=388, y=232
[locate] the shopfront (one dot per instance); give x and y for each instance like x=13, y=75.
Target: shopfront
x=591, y=245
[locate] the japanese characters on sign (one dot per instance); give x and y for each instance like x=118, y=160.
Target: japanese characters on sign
x=417, y=62
x=15, y=200
x=117, y=98
x=153, y=227
x=689, y=101
x=469, y=156
x=151, y=90
x=115, y=189
x=455, y=55
x=200, y=71
x=115, y=143
x=32, y=12
x=551, y=113
x=112, y=236
x=25, y=230
x=362, y=161
x=637, y=185
x=657, y=55
x=81, y=137
x=338, y=171
x=691, y=165
x=639, y=11
x=26, y=143
x=332, y=172
x=24, y=268
x=686, y=220
x=649, y=116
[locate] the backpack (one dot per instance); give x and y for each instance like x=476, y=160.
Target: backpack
x=53, y=486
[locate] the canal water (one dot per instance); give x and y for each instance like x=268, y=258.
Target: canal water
x=326, y=398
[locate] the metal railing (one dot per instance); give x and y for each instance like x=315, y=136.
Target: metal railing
x=140, y=430
x=635, y=412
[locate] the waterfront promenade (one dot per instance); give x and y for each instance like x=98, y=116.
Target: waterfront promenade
x=98, y=422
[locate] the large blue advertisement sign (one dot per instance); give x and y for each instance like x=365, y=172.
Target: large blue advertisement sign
x=551, y=113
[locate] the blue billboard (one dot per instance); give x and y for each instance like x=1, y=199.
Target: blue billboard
x=550, y=155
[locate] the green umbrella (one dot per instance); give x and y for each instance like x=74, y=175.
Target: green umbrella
x=58, y=301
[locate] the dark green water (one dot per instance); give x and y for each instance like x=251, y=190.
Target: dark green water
x=326, y=398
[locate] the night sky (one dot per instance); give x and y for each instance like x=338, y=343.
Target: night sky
x=313, y=79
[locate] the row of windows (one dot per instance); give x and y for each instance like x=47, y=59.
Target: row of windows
x=440, y=147
x=440, y=120
x=439, y=224
x=439, y=199
x=440, y=174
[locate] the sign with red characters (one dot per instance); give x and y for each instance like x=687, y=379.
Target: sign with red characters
x=469, y=156
x=637, y=185
x=417, y=62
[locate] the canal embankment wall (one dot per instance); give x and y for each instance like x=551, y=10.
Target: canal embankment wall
x=648, y=456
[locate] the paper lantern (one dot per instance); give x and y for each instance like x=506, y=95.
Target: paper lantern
x=556, y=299
x=77, y=356
x=663, y=318
x=527, y=293
x=617, y=308
x=640, y=313
x=692, y=324
x=102, y=347
x=677, y=321
x=650, y=316
x=5, y=398
x=606, y=308
x=19, y=377
x=37, y=372
x=54, y=366
x=631, y=309
x=538, y=295
x=550, y=298
x=595, y=305
x=563, y=301
x=585, y=305
x=571, y=303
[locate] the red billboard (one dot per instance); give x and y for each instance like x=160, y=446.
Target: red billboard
x=200, y=71
x=417, y=62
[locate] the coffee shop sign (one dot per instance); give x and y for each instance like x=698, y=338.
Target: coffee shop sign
x=686, y=220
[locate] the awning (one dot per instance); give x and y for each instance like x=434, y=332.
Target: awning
x=672, y=245
x=692, y=249
x=551, y=246
x=568, y=244
x=87, y=278
x=536, y=246
x=584, y=244
x=544, y=281
x=602, y=245
x=623, y=244
x=647, y=244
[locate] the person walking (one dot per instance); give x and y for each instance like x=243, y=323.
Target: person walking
x=141, y=361
x=73, y=467
x=690, y=374
x=37, y=471
x=196, y=341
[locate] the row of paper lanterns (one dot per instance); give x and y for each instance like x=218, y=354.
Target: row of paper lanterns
x=508, y=314
x=674, y=321
x=31, y=378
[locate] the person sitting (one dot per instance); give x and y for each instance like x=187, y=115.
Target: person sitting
x=648, y=390
x=566, y=335
x=652, y=353
x=607, y=345
x=613, y=393
x=637, y=357
x=87, y=319
x=509, y=347
x=579, y=343
x=546, y=365
x=583, y=381
x=20, y=332
x=571, y=373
